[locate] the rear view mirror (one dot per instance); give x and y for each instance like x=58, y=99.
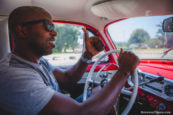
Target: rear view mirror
x=168, y=25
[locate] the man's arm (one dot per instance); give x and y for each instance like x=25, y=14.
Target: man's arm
x=101, y=102
x=93, y=46
x=74, y=73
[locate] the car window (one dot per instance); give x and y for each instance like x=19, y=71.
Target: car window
x=143, y=36
x=68, y=45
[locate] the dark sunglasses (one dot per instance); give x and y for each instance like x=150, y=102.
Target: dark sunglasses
x=49, y=26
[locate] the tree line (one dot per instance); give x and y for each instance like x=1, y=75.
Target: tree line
x=67, y=37
x=140, y=38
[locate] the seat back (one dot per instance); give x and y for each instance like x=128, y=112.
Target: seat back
x=4, y=37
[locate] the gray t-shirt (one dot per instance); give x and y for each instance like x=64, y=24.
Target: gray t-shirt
x=25, y=87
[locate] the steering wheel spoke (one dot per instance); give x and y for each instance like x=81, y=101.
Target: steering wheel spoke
x=126, y=91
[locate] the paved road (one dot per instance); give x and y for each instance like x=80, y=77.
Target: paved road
x=63, y=59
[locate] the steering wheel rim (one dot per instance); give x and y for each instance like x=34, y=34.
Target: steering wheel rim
x=133, y=94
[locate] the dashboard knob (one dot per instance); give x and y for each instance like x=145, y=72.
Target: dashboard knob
x=169, y=90
x=155, y=102
x=162, y=107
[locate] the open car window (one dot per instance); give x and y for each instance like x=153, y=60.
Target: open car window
x=68, y=45
x=143, y=36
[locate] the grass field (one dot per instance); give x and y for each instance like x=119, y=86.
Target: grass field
x=151, y=50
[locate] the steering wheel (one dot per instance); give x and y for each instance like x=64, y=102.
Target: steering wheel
x=133, y=94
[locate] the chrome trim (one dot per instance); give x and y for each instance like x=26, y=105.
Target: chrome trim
x=156, y=88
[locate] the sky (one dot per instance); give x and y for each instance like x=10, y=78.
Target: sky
x=122, y=30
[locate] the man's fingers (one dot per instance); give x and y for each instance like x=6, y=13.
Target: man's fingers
x=97, y=43
x=85, y=33
x=121, y=52
x=93, y=44
x=128, y=61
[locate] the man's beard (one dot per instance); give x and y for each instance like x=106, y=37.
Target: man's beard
x=39, y=50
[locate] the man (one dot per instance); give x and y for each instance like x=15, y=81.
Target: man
x=29, y=84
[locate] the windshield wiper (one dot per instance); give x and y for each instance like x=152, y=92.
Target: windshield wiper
x=166, y=52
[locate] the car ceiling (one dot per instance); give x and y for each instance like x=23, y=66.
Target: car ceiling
x=92, y=11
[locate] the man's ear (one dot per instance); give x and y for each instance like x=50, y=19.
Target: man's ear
x=21, y=31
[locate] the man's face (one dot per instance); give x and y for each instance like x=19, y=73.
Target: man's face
x=40, y=36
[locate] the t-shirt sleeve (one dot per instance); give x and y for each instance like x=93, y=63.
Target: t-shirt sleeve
x=25, y=93
x=46, y=64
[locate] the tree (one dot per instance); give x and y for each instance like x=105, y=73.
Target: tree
x=154, y=43
x=165, y=38
x=169, y=37
x=160, y=35
x=67, y=37
x=139, y=36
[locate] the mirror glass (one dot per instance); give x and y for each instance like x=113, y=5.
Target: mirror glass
x=168, y=25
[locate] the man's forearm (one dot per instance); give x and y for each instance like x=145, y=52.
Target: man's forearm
x=102, y=102
x=99, y=104
x=76, y=72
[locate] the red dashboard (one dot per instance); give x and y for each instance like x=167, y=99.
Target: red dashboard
x=162, y=68
x=157, y=94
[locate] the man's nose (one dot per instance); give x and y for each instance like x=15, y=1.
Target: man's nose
x=53, y=32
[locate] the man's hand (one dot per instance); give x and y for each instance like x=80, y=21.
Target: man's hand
x=93, y=45
x=128, y=61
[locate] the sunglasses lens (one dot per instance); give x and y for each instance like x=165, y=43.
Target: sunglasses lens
x=50, y=27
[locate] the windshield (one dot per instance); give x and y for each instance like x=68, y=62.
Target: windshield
x=143, y=36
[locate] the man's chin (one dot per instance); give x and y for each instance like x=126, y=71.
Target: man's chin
x=47, y=53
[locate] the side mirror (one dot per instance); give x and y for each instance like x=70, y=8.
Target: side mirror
x=168, y=25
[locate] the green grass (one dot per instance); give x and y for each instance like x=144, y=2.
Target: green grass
x=63, y=52
x=151, y=50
